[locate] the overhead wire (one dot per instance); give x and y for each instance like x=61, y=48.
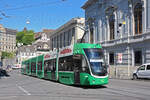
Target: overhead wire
x=27, y=6
x=34, y=5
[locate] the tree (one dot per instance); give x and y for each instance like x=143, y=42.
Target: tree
x=26, y=37
x=7, y=55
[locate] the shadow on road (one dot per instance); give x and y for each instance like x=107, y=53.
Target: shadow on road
x=91, y=87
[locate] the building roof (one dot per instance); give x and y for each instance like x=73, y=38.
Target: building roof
x=76, y=20
x=88, y=3
x=48, y=30
x=37, y=35
x=10, y=31
x=27, y=48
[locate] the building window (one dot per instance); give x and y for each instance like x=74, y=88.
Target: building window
x=52, y=43
x=138, y=57
x=69, y=37
x=111, y=20
x=61, y=40
x=112, y=26
x=111, y=58
x=64, y=39
x=73, y=32
x=55, y=42
x=138, y=18
x=91, y=35
x=73, y=35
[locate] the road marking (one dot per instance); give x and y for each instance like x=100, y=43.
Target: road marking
x=10, y=97
x=22, y=89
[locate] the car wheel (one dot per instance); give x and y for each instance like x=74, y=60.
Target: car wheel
x=135, y=77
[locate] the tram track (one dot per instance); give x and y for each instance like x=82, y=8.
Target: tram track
x=125, y=93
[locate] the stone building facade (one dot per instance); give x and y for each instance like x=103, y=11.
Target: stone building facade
x=122, y=27
x=7, y=39
x=40, y=46
x=68, y=33
x=24, y=53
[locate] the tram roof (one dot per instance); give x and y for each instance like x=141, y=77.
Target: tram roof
x=86, y=45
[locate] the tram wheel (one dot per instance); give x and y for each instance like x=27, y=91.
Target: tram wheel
x=135, y=77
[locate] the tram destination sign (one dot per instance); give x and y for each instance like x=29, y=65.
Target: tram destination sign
x=66, y=51
x=50, y=55
x=47, y=56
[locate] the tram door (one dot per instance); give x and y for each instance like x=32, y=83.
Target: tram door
x=77, y=68
x=77, y=75
x=45, y=69
x=53, y=70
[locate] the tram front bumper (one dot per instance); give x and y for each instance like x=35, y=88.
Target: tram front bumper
x=90, y=80
x=98, y=81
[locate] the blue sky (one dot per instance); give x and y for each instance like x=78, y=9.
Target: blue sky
x=42, y=14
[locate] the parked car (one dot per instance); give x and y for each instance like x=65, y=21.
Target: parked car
x=142, y=72
x=16, y=66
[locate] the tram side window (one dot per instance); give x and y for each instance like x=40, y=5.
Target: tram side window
x=33, y=66
x=71, y=63
x=54, y=64
x=66, y=63
x=50, y=65
x=46, y=64
x=28, y=66
x=40, y=65
x=84, y=65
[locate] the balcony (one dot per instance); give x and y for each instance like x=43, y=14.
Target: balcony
x=127, y=40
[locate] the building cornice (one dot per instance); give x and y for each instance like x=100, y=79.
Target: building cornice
x=88, y=3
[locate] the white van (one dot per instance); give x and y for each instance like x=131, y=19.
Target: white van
x=142, y=72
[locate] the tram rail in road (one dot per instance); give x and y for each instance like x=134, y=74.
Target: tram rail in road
x=22, y=87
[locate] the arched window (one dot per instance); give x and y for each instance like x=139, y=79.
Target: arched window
x=91, y=34
x=111, y=21
x=112, y=26
x=138, y=18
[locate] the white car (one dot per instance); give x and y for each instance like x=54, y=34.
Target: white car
x=142, y=72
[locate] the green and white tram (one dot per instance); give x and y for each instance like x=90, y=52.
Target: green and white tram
x=80, y=64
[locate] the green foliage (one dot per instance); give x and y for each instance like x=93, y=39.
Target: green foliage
x=25, y=37
x=7, y=55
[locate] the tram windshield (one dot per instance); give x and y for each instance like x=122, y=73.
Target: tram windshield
x=96, y=60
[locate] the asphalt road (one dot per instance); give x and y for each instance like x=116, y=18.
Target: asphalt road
x=21, y=87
